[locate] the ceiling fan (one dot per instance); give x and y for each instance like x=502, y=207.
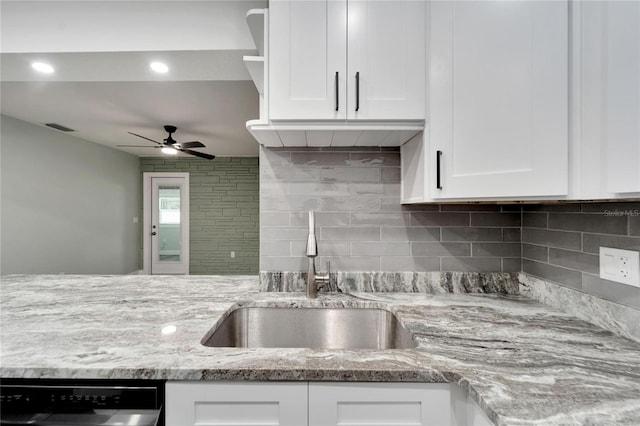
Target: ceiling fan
x=169, y=144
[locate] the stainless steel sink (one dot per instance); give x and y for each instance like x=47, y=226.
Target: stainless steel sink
x=322, y=328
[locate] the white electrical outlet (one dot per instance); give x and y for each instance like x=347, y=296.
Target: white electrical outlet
x=233, y=254
x=618, y=265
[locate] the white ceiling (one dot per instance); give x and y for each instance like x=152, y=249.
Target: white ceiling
x=104, y=95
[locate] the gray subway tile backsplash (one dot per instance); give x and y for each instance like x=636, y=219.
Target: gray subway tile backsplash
x=331, y=233
x=593, y=242
x=351, y=204
x=535, y=220
x=471, y=264
x=611, y=290
x=511, y=234
x=568, y=277
x=569, y=207
x=379, y=218
x=382, y=159
x=511, y=264
x=595, y=223
x=535, y=252
x=319, y=159
x=471, y=234
x=361, y=225
x=351, y=174
x=276, y=247
x=575, y=260
x=287, y=203
x=379, y=248
x=345, y=263
x=557, y=255
x=634, y=225
x=282, y=233
x=439, y=219
x=496, y=249
x=325, y=219
x=409, y=263
x=440, y=249
x=496, y=219
x=469, y=207
x=545, y=237
x=276, y=218
x=409, y=233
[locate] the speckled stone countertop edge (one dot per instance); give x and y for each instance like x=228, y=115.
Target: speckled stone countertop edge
x=501, y=349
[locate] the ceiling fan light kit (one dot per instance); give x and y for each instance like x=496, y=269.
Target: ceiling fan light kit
x=169, y=150
x=170, y=146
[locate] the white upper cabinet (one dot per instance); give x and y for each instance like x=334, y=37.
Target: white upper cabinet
x=605, y=143
x=347, y=60
x=498, y=87
x=622, y=106
x=307, y=59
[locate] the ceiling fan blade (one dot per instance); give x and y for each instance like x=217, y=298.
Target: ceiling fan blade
x=144, y=137
x=194, y=144
x=198, y=154
x=138, y=146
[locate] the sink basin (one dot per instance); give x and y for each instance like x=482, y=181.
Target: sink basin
x=321, y=328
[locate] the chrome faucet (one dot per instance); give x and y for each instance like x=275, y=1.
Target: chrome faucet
x=314, y=281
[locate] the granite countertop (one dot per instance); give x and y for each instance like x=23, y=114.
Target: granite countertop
x=523, y=362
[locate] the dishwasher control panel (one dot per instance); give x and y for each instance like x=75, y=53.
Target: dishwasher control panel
x=49, y=401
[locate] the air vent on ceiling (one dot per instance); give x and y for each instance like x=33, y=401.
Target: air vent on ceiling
x=59, y=127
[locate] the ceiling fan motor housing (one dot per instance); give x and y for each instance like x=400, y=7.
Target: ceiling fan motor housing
x=170, y=129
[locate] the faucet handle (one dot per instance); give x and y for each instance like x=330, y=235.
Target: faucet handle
x=325, y=279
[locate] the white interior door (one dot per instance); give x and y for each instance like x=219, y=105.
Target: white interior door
x=166, y=228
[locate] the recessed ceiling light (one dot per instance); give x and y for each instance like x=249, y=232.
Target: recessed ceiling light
x=169, y=150
x=42, y=67
x=159, y=67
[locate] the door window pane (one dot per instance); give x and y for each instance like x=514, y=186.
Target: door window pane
x=169, y=227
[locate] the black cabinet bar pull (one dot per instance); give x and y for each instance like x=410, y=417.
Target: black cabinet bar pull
x=337, y=93
x=358, y=91
x=438, y=157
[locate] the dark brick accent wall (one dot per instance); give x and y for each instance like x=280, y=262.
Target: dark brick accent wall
x=224, y=211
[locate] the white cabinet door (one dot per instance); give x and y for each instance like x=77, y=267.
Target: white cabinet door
x=498, y=98
x=318, y=46
x=307, y=59
x=622, y=105
x=390, y=404
x=606, y=100
x=387, y=53
x=236, y=403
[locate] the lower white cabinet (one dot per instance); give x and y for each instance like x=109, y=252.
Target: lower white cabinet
x=319, y=404
x=236, y=403
x=390, y=404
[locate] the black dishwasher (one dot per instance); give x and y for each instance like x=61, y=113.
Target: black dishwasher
x=53, y=402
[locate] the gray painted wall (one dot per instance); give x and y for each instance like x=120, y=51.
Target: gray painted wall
x=67, y=204
x=361, y=225
x=224, y=211
x=561, y=243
